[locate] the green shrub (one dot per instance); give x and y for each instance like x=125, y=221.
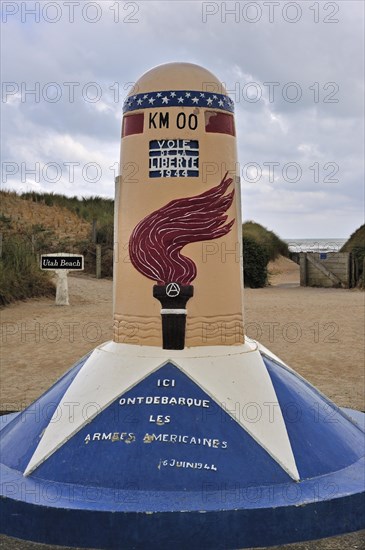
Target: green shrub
x=255, y=260
x=105, y=234
x=259, y=247
x=98, y=211
x=356, y=245
x=273, y=245
x=88, y=250
x=106, y=262
x=356, y=240
x=20, y=275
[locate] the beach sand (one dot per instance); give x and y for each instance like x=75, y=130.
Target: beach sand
x=318, y=332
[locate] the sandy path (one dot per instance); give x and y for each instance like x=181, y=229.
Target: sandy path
x=283, y=272
x=318, y=332
x=40, y=341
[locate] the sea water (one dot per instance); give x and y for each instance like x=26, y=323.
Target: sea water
x=315, y=245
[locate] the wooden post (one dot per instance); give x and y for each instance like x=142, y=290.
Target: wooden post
x=98, y=261
x=348, y=271
x=352, y=270
x=303, y=268
x=1, y=245
x=93, y=231
x=33, y=243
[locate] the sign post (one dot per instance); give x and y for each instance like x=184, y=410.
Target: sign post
x=62, y=263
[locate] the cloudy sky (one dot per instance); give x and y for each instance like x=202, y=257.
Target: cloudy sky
x=294, y=70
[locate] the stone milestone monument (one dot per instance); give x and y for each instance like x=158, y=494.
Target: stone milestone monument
x=180, y=433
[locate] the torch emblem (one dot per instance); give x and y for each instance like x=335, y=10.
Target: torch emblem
x=155, y=250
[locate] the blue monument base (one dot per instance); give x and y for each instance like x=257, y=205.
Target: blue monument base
x=223, y=518
x=164, y=465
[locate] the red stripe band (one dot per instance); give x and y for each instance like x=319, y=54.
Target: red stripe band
x=220, y=123
x=132, y=124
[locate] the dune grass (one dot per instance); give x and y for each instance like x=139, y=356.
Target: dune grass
x=20, y=275
x=267, y=239
x=356, y=245
x=88, y=208
x=260, y=245
x=356, y=242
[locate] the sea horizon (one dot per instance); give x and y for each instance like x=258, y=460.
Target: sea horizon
x=315, y=245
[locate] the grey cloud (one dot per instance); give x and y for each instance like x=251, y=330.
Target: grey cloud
x=114, y=54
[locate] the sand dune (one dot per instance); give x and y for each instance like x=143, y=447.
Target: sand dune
x=283, y=272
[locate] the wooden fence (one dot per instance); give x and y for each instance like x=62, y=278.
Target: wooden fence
x=329, y=269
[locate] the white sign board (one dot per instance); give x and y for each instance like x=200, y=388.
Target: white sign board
x=61, y=263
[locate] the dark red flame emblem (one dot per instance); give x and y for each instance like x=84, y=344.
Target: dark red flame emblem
x=156, y=242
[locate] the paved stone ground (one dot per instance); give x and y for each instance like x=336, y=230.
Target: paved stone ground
x=353, y=541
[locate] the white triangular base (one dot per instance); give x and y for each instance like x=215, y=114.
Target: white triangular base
x=235, y=377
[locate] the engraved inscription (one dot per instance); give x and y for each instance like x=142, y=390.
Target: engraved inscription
x=165, y=400
x=111, y=436
x=166, y=382
x=157, y=412
x=160, y=419
x=187, y=439
x=173, y=463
